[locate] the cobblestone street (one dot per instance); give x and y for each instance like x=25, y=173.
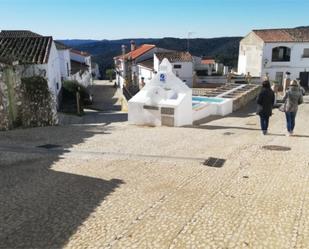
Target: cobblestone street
x=115, y=185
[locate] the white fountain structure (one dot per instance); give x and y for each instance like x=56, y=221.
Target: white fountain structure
x=165, y=100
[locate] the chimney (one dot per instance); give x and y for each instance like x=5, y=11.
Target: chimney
x=123, y=49
x=133, y=45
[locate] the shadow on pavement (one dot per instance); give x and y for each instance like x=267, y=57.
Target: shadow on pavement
x=93, y=117
x=41, y=206
x=217, y=127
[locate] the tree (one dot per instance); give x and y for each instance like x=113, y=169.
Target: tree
x=110, y=74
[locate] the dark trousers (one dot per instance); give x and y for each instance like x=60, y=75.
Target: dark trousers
x=290, y=120
x=264, y=122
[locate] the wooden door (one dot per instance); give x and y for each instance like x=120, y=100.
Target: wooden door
x=304, y=79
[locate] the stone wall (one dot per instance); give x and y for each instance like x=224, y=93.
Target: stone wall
x=38, y=103
x=245, y=98
x=4, y=114
x=21, y=106
x=11, y=95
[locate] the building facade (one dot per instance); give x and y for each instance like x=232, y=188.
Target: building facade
x=275, y=53
x=64, y=60
x=182, y=64
x=37, y=56
x=81, y=67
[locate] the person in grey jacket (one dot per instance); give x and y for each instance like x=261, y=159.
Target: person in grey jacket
x=292, y=99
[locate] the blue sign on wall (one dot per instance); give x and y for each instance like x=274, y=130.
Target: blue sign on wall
x=162, y=77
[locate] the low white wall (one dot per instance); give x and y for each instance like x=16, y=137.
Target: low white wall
x=206, y=109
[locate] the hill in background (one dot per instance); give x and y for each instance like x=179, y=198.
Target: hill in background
x=224, y=49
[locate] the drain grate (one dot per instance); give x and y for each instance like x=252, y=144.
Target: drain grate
x=276, y=148
x=49, y=146
x=214, y=162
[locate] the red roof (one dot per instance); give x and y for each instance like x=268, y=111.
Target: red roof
x=208, y=61
x=79, y=52
x=137, y=52
x=284, y=35
x=175, y=56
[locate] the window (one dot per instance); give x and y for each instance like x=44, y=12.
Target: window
x=177, y=66
x=281, y=54
x=202, y=72
x=306, y=53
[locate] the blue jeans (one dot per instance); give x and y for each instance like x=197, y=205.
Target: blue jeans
x=290, y=120
x=264, y=122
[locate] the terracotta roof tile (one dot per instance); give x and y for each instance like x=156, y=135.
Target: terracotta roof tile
x=175, y=56
x=18, y=33
x=208, y=61
x=29, y=50
x=283, y=35
x=137, y=52
x=83, y=53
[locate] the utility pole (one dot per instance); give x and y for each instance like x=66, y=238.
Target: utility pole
x=188, y=40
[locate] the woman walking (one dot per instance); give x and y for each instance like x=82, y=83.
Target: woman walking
x=292, y=99
x=265, y=101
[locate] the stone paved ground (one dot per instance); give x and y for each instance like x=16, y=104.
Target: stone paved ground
x=115, y=185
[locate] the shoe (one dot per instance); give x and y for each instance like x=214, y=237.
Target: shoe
x=289, y=134
x=264, y=132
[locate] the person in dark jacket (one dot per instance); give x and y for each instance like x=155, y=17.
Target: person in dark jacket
x=292, y=99
x=265, y=101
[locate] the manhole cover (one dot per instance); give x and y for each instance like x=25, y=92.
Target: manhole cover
x=276, y=147
x=214, y=162
x=228, y=133
x=49, y=146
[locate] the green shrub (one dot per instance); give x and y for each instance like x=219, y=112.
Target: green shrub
x=36, y=84
x=72, y=86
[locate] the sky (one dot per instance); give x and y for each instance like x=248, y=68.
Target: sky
x=117, y=19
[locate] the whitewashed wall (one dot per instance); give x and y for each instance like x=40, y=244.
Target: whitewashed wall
x=296, y=64
x=250, y=55
x=50, y=71
x=185, y=73
x=65, y=63
x=145, y=73
x=53, y=70
x=83, y=79
x=255, y=57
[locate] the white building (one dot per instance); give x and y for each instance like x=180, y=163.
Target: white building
x=145, y=71
x=64, y=60
x=95, y=70
x=274, y=52
x=37, y=55
x=126, y=65
x=81, y=67
x=182, y=63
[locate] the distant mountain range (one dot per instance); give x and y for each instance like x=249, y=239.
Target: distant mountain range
x=224, y=49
